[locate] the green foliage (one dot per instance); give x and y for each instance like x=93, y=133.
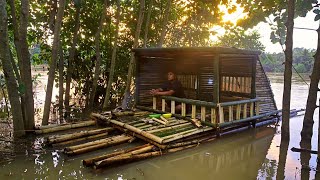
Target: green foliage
x=189, y=24
x=302, y=61
x=240, y=38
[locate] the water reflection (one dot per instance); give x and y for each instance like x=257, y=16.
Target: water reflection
x=226, y=158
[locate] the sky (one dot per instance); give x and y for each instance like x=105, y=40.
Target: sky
x=301, y=38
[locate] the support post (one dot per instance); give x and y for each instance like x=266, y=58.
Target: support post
x=154, y=101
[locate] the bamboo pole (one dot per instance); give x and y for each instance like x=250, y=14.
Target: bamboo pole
x=81, y=139
x=183, y=109
x=173, y=107
x=163, y=104
x=193, y=111
x=164, y=119
x=230, y=113
x=49, y=126
x=177, y=116
x=203, y=113
x=138, y=131
x=136, y=157
x=154, y=102
x=213, y=115
x=164, y=126
x=66, y=137
x=238, y=112
x=159, y=121
x=169, y=128
x=98, y=146
x=245, y=106
x=188, y=134
x=109, y=139
x=106, y=162
x=90, y=161
x=180, y=133
x=65, y=127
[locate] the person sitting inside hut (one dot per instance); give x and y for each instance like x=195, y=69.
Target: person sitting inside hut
x=172, y=87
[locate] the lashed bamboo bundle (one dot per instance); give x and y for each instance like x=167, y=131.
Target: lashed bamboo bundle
x=159, y=121
x=66, y=137
x=49, y=126
x=135, y=157
x=92, y=147
x=65, y=127
x=169, y=128
x=164, y=126
x=70, y=148
x=73, y=141
x=138, y=131
x=180, y=136
x=90, y=161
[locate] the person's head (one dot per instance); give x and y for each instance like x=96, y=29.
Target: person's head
x=171, y=76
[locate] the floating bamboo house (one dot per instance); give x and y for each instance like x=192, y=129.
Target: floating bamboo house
x=227, y=83
x=226, y=89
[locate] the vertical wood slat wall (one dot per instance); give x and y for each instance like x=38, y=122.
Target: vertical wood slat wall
x=195, y=73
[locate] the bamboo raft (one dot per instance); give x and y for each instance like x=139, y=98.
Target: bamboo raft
x=159, y=136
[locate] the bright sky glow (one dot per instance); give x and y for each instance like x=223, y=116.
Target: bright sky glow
x=233, y=17
x=301, y=37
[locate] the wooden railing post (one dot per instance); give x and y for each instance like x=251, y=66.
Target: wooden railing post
x=213, y=115
x=163, y=104
x=183, y=109
x=221, y=115
x=238, y=112
x=154, y=102
x=203, y=113
x=230, y=113
x=245, y=106
x=193, y=111
x=173, y=107
x=251, y=109
x=257, y=108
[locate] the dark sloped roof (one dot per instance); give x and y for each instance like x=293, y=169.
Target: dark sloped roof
x=187, y=51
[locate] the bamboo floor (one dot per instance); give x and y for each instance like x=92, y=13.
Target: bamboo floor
x=156, y=137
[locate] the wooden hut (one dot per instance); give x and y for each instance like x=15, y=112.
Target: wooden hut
x=228, y=83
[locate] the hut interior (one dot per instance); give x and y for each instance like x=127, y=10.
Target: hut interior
x=209, y=74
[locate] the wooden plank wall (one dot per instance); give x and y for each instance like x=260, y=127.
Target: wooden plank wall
x=264, y=91
x=235, y=77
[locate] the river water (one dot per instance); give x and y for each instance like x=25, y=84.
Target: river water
x=250, y=154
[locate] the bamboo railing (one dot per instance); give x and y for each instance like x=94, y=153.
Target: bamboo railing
x=219, y=112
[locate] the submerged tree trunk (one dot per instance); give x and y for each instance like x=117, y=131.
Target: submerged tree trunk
x=26, y=66
x=307, y=129
x=285, y=131
x=16, y=40
x=98, y=55
x=54, y=57
x=127, y=94
x=11, y=83
x=146, y=30
x=164, y=23
x=106, y=103
x=282, y=159
x=71, y=62
x=61, y=66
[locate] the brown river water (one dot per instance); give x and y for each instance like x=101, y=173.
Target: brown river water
x=250, y=154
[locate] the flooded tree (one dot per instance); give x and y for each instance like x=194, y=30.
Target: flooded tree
x=106, y=102
x=287, y=72
x=54, y=57
x=11, y=83
x=98, y=56
x=307, y=129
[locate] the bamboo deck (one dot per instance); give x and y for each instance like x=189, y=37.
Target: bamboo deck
x=156, y=137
